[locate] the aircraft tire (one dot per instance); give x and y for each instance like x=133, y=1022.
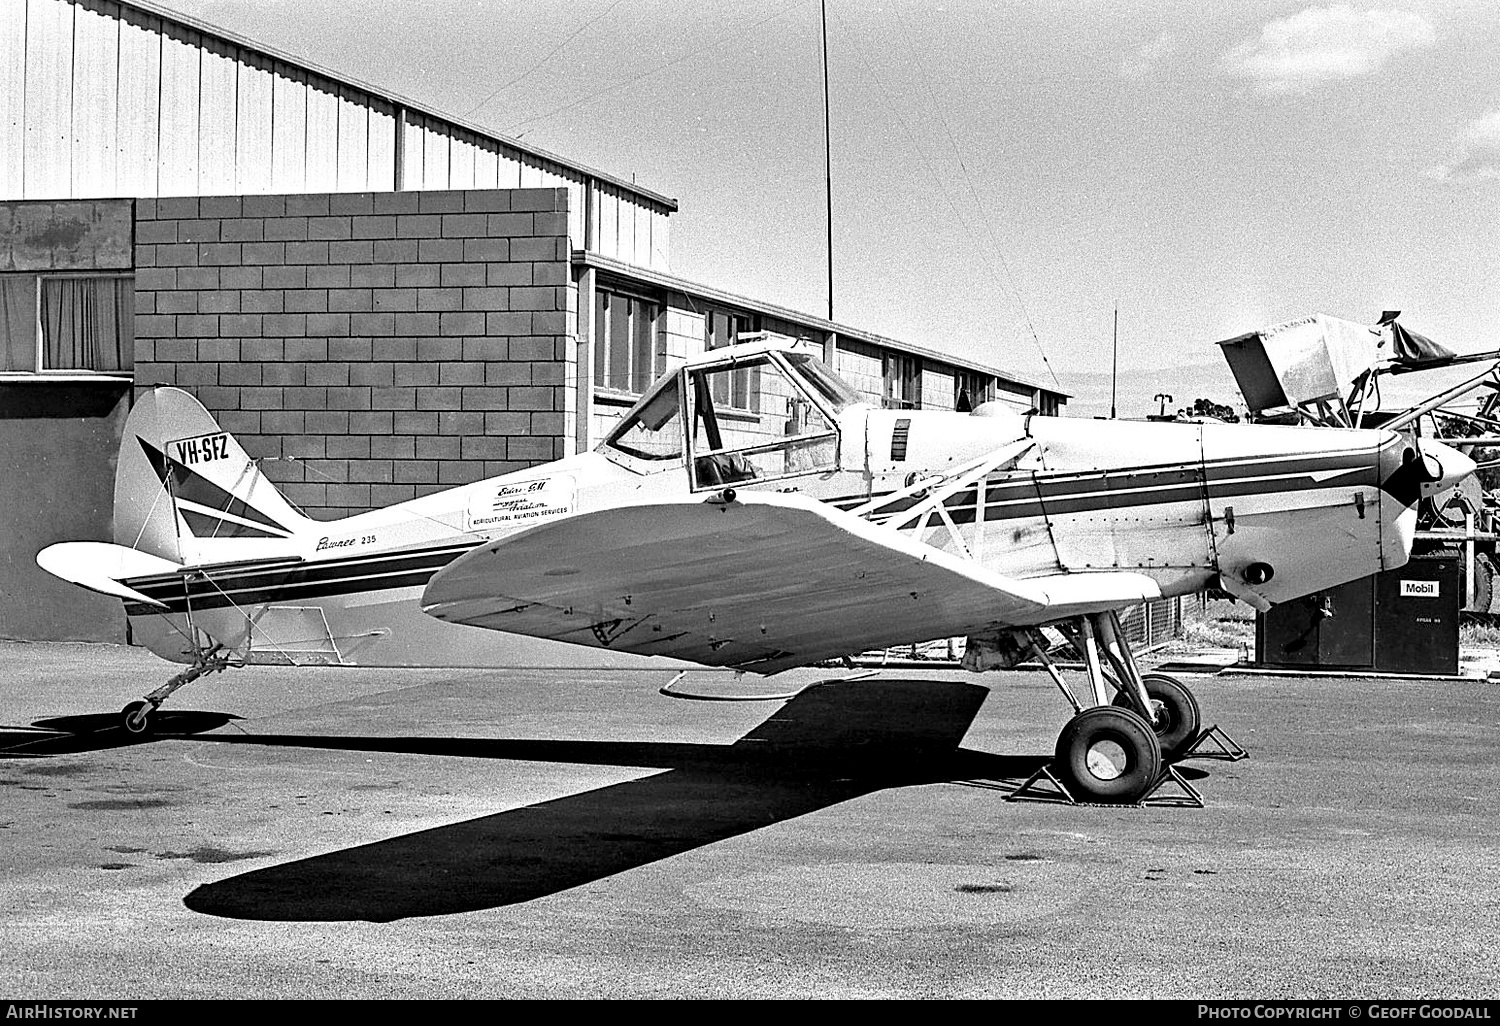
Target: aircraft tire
x=1181, y=718
x=136, y=717
x=1109, y=755
x=1484, y=585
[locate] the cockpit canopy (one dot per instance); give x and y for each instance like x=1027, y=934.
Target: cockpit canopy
x=748, y=412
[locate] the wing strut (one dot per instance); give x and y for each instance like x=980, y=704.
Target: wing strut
x=931, y=496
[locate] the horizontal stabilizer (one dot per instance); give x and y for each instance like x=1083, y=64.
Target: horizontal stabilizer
x=101, y=566
x=765, y=582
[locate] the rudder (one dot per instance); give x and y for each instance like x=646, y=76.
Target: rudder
x=186, y=490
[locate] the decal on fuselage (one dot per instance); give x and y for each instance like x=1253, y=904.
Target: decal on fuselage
x=325, y=543
x=202, y=449
x=511, y=502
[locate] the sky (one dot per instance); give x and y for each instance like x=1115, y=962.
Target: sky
x=1005, y=172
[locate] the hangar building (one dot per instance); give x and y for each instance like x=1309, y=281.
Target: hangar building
x=378, y=299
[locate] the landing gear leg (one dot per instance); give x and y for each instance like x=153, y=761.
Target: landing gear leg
x=1116, y=752
x=1163, y=701
x=136, y=717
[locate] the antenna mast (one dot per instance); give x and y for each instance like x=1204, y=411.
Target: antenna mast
x=1114, y=365
x=827, y=158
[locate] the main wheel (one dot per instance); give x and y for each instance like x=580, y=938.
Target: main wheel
x=1174, y=713
x=136, y=716
x=1108, y=754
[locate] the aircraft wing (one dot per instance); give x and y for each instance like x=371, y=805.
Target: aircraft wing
x=765, y=582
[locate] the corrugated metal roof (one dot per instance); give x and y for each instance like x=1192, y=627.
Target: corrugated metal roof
x=196, y=25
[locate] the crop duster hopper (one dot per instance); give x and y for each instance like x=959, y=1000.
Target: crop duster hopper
x=753, y=511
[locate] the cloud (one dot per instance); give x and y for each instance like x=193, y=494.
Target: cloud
x=1149, y=56
x=1325, y=44
x=1477, y=153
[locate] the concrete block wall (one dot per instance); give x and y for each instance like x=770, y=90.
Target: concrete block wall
x=1018, y=400
x=683, y=331
x=937, y=389
x=861, y=365
x=369, y=348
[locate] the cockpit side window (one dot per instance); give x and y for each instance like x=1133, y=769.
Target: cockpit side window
x=654, y=430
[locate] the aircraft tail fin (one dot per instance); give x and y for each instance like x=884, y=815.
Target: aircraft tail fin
x=185, y=490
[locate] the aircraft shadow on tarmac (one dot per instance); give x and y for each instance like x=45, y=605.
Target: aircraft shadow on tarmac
x=98, y=732
x=831, y=743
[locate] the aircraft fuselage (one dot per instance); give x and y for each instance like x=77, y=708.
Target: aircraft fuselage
x=1188, y=504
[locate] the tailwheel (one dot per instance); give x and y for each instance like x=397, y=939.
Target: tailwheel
x=1108, y=754
x=136, y=717
x=1175, y=716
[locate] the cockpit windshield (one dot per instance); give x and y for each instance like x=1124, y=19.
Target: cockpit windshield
x=821, y=381
x=765, y=415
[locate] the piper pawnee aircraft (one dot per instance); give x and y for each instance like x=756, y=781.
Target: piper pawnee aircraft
x=752, y=511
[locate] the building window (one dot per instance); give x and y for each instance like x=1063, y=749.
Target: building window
x=67, y=323
x=627, y=355
x=739, y=389
x=970, y=389
x=903, y=381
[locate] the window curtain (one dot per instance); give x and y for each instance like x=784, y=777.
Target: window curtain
x=88, y=324
x=18, y=322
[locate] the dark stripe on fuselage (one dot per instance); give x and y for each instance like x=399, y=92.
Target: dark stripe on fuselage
x=1073, y=493
x=207, y=590
x=1015, y=497
x=1069, y=491
x=310, y=569
x=1018, y=510
x=199, y=600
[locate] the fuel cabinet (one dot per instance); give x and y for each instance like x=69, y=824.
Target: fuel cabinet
x=1398, y=621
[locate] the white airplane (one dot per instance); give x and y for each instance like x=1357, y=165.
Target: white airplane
x=752, y=511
